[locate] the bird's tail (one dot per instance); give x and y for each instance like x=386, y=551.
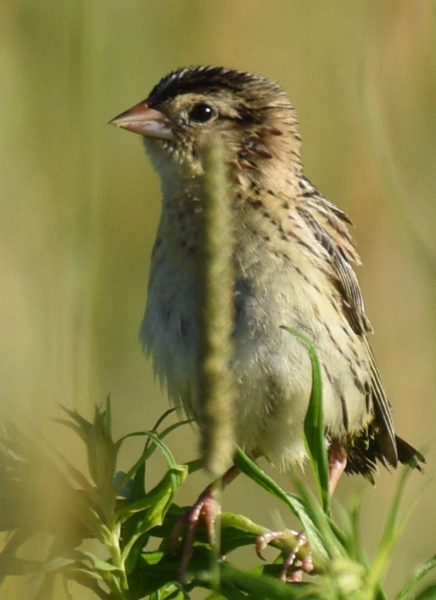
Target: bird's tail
x=408, y=455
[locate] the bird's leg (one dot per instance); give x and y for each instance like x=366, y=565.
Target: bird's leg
x=301, y=565
x=206, y=507
x=337, y=464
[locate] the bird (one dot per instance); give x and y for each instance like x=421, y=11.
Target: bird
x=294, y=265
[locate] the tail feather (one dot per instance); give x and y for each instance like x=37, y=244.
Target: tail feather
x=408, y=455
x=367, y=449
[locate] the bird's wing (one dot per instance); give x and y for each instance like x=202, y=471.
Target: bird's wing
x=329, y=225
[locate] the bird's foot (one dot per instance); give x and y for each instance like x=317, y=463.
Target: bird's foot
x=206, y=508
x=294, y=564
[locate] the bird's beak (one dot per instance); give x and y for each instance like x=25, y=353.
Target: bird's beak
x=146, y=121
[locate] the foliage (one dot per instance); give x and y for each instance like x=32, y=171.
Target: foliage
x=133, y=523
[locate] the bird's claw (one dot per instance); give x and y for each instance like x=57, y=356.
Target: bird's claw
x=293, y=566
x=207, y=508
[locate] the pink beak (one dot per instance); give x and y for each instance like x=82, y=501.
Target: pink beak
x=146, y=121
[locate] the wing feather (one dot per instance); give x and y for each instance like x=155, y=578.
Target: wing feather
x=329, y=225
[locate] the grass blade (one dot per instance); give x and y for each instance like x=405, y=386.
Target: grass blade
x=314, y=424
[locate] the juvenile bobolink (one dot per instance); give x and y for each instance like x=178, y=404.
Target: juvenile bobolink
x=293, y=260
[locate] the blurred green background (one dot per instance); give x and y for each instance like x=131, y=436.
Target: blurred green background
x=80, y=202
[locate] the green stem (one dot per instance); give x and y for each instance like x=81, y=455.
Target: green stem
x=116, y=580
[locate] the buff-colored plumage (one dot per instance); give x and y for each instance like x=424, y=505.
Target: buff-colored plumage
x=294, y=266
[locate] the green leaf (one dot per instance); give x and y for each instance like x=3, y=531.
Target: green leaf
x=420, y=572
x=228, y=596
x=250, y=468
x=314, y=435
x=98, y=563
x=19, y=566
x=238, y=531
x=136, y=474
x=263, y=587
x=9, y=563
x=88, y=579
x=171, y=591
x=157, y=569
x=332, y=538
x=390, y=534
x=428, y=594
x=156, y=502
x=101, y=450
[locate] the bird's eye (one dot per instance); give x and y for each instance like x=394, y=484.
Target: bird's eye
x=201, y=113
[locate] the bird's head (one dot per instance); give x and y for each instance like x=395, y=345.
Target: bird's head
x=252, y=114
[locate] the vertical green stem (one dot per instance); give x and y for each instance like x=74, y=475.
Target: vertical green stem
x=216, y=380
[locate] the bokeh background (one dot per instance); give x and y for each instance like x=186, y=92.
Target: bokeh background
x=80, y=204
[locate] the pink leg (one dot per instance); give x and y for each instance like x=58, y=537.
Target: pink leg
x=206, y=507
x=337, y=464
